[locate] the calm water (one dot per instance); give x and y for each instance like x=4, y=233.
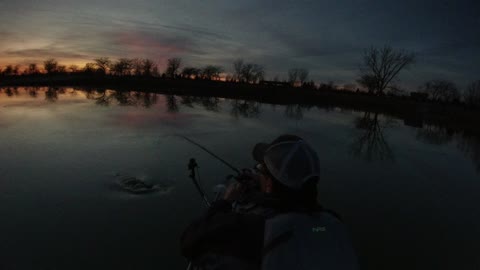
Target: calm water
x=410, y=196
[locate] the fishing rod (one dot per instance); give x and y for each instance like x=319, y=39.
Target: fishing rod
x=211, y=153
x=193, y=167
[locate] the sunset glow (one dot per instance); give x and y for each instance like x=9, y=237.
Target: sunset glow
x=279, y=36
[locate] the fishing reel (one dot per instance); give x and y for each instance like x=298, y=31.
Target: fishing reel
x=192, y=165
x=249, y=179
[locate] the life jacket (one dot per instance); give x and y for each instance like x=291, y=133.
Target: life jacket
x=307, y=241
x=301, y=237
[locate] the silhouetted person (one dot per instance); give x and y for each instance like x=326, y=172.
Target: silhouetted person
x=271, y=219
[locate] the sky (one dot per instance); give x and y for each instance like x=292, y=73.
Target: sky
x=326, y=37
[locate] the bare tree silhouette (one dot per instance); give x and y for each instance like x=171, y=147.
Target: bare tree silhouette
x=50, y=65
x=122, y=67
x=89, y=68
x=381, y=66
x=32, y=68
x=237, y=69
x=9, y=70
x=102, y=64
x=73, y=68
x=173, y=65
x=297, y=76
x=368, y=81
x=472, y=94
x=211, y=72
x=148, y=67
x=371, y=144
x=62, y=69
x=302, y=75
x=248, y=72
x=441, y=90
x=137, y=66
x=191, y=73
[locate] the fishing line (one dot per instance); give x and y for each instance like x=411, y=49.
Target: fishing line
x=211, y=153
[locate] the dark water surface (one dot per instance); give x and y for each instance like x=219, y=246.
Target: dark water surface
x=410, y=196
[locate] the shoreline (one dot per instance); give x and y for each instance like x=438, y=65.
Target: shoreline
x=415, y=113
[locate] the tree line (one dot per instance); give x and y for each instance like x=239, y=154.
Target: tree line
x=244, y=72
x=379, y=73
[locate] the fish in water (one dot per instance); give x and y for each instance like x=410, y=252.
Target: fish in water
x=138, y=186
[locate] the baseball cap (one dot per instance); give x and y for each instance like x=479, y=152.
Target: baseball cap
x=289, y=159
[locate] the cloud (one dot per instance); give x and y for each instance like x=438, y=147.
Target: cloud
x=198, y=32
x=45, y=52
x=324, y=36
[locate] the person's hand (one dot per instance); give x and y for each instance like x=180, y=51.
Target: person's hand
x=234, y=191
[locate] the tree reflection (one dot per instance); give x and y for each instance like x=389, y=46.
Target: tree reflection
x=32, y=91
x=295, y=111
x=147, y=100
x=11, y=91
x=172, y=104
x=435, y=135
x=210, y=103
x=51, y=95
x=370, y=144
x=187, y=101
x=73, y=92
x=469, y=144
x=244, y=108
x=124, y=98
x=103, y=97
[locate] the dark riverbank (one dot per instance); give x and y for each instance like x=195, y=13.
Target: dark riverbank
x=414, y=112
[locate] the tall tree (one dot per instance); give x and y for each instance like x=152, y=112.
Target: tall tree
x=302, y=75
x=383, y=65
x=148, y=67
x=191, y=73
x=211, y=72
x=8, y=70
x=137, y=66
x=173, y=65
x=252, y=73
x=472, y=94
x=61, y=68
x=248, y=72
x=32, y=68
x=89, y=68
x=102, y=64
x=237, y=69
x=50, y=65
x=292, y=76
x=441, y=90
x=298, y=75
x=73, y=68
x=122, y=67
